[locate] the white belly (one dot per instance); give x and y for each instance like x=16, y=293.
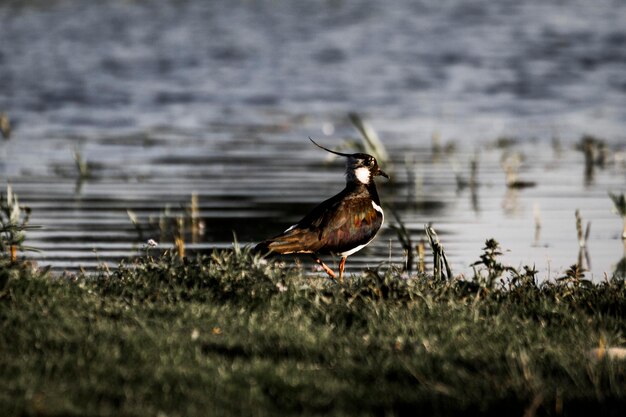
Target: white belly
x=354, y=250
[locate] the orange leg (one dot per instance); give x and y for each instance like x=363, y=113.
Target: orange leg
x=342, y=264
x=324, y=266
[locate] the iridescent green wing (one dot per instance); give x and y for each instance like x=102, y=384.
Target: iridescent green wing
x=355, y=222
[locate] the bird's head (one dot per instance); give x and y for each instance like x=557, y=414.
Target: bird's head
x=360, y=167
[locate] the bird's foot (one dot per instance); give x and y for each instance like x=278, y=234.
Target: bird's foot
x=325, y=267
x=329, y=271
x=342, y=265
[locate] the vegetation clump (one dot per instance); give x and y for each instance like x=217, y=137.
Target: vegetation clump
x=232, y=333
x=14, y=218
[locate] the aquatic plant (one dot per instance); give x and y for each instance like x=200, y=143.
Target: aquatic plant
x=505, y=142
x=172, y=226
x=491, y=268
x=527, y=277
x=461, y=182
x=594, y=149
x=575, y=275
x=5, y=125
x=595, y=152
x=14, y=219
x=537, y=219
x=619, y=200
x=440, y=261
x=404, y=237
x=132, y=216
x=439, y=149
x=81, y=165
x=511, y=163
x=619, y=272
x=372, y=143
x=583, y=253
x=420, y=248
x=582, y=237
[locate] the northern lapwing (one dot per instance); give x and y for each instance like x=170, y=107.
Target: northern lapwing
x=341, y=225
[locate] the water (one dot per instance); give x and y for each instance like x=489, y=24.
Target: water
x=168, y=98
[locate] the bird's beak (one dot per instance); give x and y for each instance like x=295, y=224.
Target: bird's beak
x=382, y=173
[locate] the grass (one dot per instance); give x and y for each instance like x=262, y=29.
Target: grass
x=232, y=334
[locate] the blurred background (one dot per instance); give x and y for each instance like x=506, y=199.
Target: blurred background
x=187, y=119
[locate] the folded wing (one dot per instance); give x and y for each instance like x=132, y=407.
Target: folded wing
x=335, y=226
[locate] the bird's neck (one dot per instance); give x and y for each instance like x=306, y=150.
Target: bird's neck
x=366, y=189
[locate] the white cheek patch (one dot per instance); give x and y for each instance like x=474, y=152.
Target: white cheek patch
x=363, y=175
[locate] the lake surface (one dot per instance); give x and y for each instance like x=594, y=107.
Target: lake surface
x=165, y=99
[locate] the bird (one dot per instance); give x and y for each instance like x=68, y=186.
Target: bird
x=342, y=225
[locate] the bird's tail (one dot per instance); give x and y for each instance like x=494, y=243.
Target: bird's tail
x=294, y=241
x=262, y=247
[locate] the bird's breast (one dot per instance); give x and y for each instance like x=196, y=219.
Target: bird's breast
x=353, y=226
